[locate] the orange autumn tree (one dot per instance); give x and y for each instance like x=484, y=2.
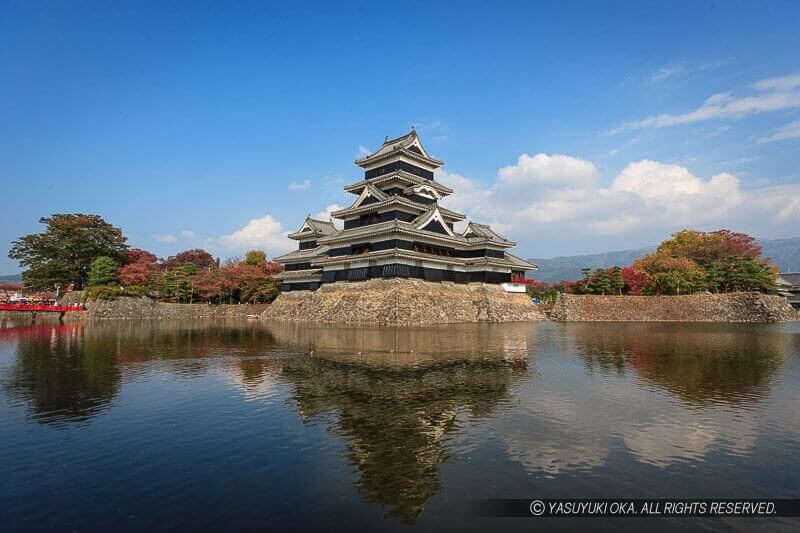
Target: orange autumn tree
x=719, y=261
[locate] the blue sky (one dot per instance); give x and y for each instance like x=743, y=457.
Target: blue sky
x=573, y=127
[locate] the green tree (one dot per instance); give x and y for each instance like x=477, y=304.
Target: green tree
x=586, y=272
x=185, y=282
x=617, y=281
x=254, y=257
x=63, y=252
x=166, y=284
x=740, y=274
x=599, y=282
x=102, y=271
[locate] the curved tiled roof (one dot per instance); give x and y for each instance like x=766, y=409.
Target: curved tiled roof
x=521, y=263
x=483, y=230
x=403, y=176
x=404, y=145
x=391, y=226
x=298, y=255
x=792, y=278
x=394, y=200
x=315, y=228
x=312, y=274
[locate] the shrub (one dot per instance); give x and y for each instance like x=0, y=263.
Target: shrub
x=134, y=291
x=101, y=292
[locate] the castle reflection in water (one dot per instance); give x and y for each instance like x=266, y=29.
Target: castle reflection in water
x=560, y=398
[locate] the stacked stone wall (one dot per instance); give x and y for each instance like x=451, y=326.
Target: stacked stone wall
x=403, y=302
x=732, y=307
x=145, y=308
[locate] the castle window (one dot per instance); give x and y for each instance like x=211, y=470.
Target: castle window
x=370, y=218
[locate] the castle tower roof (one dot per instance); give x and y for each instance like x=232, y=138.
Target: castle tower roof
x=313, y=228
x=408, y=146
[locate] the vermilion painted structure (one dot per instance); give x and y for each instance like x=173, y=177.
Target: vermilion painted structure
x=42, y=308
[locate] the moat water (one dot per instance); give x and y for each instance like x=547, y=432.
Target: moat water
x=117, y=426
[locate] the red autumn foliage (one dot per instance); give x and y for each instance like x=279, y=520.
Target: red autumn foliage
x=571, y=286
x=532, y=283
x=238, y=281
x=136, y=255
x=198, y=257
x=208, y=284
x=635, y=281
x=139, y=273
x=738, y=244
x=706, y=248
x=139, y=268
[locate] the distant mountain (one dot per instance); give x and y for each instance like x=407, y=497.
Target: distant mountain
x=569, y=267
x=11, y=278
x=784, y=252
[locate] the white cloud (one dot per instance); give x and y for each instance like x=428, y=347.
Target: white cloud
x=306, y=184
x=548, y=169
x=547, y=193
x=188, y=234
x=675, y=194
x=682, y=68
x=783, y=83
x=363, y=151
x=741, y=160
x=165, y=238
x=717, y=132
x=262, y=233
x=780, y=204
x=789, y=211
x=467, y=194
x=774, y=94
x=789, y=131
x=669, y=71
x=326, y=215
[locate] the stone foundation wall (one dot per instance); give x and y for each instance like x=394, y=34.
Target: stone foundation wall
x=403, y=302
x=143, y=308
x=71, y=298
x=733, y=307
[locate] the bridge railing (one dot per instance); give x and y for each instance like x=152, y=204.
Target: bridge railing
x=42, y=308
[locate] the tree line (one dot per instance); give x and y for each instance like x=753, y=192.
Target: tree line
x=87, y=252
x=689, y=262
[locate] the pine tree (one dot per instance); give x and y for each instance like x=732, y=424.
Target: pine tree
x=617, y=283
x=600, y=282
x=167, y=285
x=586, y=282
x=185, y=282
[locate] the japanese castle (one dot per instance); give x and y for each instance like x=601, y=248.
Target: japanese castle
x=397, y=229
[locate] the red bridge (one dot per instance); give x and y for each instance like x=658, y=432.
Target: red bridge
x=34, y=308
